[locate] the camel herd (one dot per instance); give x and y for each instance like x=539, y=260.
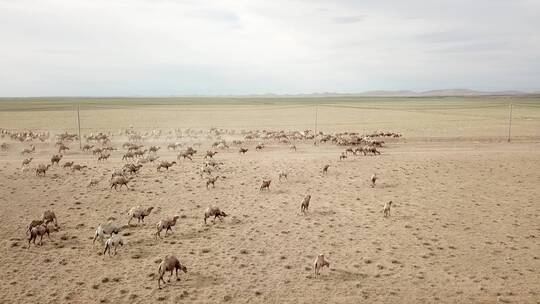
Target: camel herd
x=137, y=156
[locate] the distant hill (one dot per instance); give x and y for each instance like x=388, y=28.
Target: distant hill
x=399, y=93
x=389, y=93
x=374, y=93
x=467, y=92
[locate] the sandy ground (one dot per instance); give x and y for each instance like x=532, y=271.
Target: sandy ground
x=464, y=228
x=417, y=118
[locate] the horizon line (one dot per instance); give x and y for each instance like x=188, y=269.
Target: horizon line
x=370, y=93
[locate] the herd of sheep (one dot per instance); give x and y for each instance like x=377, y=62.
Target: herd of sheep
x=138, y=155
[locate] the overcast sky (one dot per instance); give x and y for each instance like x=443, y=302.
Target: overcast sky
x=168, y=47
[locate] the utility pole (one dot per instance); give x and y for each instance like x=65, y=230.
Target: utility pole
x=79, y=125
x=316, y=118
x=510, y=122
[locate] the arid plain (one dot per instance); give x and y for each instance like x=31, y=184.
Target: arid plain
x=464, y=224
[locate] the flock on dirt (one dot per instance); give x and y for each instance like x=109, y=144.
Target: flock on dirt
x=138, y=155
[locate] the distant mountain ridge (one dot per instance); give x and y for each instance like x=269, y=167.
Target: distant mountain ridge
x=404, y=93
x=374, y=93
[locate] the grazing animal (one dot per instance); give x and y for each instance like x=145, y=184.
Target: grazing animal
x=49, y=217
x=93, y=182
x=282, y=174
x=118, y=172
x=377, y=143
x=215, y=212
x=33, y=223
x=373, y=180
x=87, y=147
x=120, y=180
x=222, y=146
x=386, y=209
x=305, y=204
x=28, y=151
x=77, y=167
x=128, y=156
x=104, y=157
x=212, y=181
x=210, y=154
x=191, y=151
x=169, y=263
x=154, y=149
x=259, y=147
x=184, y=155
x=205, y=169
x=139, y=213
x=40, y=231
x=134, y=148
x=325, y=169
x=242, y=150
x=139, y=153
x=265, y=185
x=42, y=169
x=27, y=161
x=371, y=149
x=165, y=164
x=55, y=159
x=96, y=151
x=343, y=155
x=132, y=168
x=67, y=164
x=62, y=148
x=319, y=263
x=105, y=229
x=166, y=224
x=213, y=163
x=113, y=241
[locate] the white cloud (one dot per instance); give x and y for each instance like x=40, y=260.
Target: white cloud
x=144, y=47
